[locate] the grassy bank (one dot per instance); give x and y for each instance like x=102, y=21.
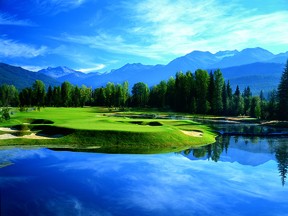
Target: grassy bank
x=97, y=129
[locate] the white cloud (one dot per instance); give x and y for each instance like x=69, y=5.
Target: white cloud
x=188, y=182
x=164, y=28
x=56, y=6
x=33, y=68
x=110, y=43
x=182, y=26
x=92, y=69
x=10, y=48
x=6, y=19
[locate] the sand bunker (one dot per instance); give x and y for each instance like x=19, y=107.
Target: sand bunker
x=193, y=133
x=4, y=129
x=9, y=135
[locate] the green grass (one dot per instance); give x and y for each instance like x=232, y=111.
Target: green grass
x=97, y=129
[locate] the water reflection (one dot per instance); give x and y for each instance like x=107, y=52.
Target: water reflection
x=229, y=148
x=45, y=182
x=244, y=181
x=281, y=154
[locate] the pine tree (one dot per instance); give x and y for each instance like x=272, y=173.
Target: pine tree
x=283, y=95
x=238, y=102
x=229, y=99
x=211, y=91
x=49, y=96
x=170, y=94
x=217, y=99
x=272, y=105
x=201, y=86
x=38, y=93
x=224, y=99
x=247, y=95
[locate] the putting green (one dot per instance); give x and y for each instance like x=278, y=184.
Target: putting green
x=95, y=129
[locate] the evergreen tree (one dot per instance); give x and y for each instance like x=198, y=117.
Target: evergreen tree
x=272, y=105
x=238, y=103
x=85, y=95
x=66, y=89
x=118, y=95
x=281, y=155
x=224, y=99
x=99, y=96
x=217, y=96
x=263, y=104
x=38, y=89
x=125, y=89
x=283, y=95
x=180, y=92
x=9, y=95
x=229, y=99
x=75, y=96
x=170, y=93
x=211, y=90
x=57, y=98
x=140, y=94
x=25, y=97
x=247, y=96
x=157, y=96
x=153, y=96
x=191, y=91
x=201, y=86
x=255, y=107
x=49, y=97
x=162, y=90
x=110, y=94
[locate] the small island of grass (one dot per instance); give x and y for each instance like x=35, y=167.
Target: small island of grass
x=100, y=130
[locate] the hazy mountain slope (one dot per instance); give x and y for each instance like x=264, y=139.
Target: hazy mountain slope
x=254, y=67
x=280, y=58
x=132, y=73
x=259, y=68
x=57, y=72
x=192, y=61
x=246, y=56
x=22, y=78
x=62, y=74
x=258, y=76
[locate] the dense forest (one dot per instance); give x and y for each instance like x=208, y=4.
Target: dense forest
x=197, y=93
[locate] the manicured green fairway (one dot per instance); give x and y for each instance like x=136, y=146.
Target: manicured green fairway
x=97, y=129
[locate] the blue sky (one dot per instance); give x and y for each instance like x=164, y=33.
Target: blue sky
x=98, y=35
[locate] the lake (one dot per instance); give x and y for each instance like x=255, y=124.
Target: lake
x=235, y=176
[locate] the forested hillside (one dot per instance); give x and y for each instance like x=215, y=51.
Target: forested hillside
x=197, y=93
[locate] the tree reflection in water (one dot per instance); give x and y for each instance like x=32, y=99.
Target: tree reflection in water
x=277, y=147
x=281, y=153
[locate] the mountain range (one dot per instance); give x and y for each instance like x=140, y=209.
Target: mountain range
x=254, y=67
x=243, y=153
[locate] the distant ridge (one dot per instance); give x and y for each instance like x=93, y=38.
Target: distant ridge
x=254, y=67
x=22, y=78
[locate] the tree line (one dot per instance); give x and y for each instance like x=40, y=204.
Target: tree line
x=197, y=93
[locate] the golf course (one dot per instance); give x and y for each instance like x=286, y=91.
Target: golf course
x=101, y=129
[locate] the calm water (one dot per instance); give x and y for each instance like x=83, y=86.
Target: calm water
x=236, y=176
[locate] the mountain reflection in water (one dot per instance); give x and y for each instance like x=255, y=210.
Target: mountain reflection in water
x=247, y=150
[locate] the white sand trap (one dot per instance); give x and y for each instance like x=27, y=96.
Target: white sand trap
x=5, y=129
x=11, y=136
x=34, y=136
x=30, y=136
x=7, y=136
x=192, y=133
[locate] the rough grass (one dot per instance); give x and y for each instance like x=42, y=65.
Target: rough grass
x=97, y=129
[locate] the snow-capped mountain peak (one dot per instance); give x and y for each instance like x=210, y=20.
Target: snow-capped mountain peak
x=57, y=72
